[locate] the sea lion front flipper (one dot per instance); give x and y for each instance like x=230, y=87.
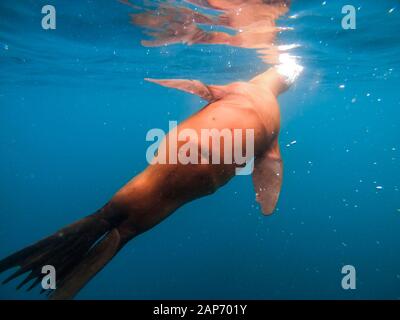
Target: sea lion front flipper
x=207, y=92
x=267, y=179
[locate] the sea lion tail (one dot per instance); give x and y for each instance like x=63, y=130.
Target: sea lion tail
x=77, y=252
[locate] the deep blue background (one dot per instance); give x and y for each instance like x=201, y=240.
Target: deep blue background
x=74, y=113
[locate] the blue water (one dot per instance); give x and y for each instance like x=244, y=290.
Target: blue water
x=74, y=113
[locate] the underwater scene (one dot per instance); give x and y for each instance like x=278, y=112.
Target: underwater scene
x=302, y=200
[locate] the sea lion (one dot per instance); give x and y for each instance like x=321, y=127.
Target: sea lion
x=83, y=248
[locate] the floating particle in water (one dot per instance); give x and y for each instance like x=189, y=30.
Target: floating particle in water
x=342, y=86
x=291, y=143
x=354, y=100
x=379, y=187
x=391, y=10
x=398, y=210
x=379, y=99
x=368, y=94
x=324, y=3
x=344, y=244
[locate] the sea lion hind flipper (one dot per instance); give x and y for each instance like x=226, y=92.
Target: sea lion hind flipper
x=206, y=92
x=77, y=252
x=90, y=265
